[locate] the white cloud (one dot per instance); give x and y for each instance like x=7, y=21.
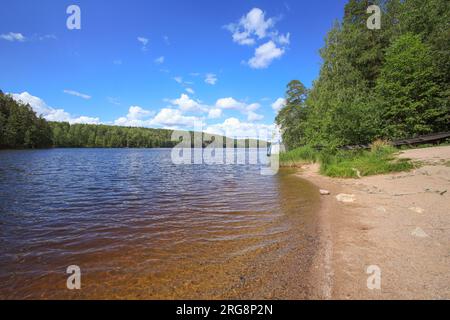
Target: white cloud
x=136, y=117
x=284, y=39
x=187, y=104
x=77, y=94
x=136, y=113
x=159, y=60
x=211, y=78
x=190, y=90
x=215, y=113
x=265, y=54
x=247, y=109
x=12, y=36
x=253, y=24
x=144, y=42
x=234, y=128
x=253, y=116
x=278, y=104
x=253, y=28
x=230, y=103
x=174, y=117
x=49, y=113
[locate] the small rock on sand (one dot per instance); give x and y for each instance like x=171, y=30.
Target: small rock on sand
x=324, y=192
x=417, y=209
x=418, y=232
x=347, y=198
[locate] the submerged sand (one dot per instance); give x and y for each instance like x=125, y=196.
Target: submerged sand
x=399, y=223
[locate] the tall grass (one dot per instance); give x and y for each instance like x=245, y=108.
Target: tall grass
x=350, y=164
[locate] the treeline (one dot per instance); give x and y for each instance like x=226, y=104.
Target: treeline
x=376, y=84
x=66, y=135
x=20, y=127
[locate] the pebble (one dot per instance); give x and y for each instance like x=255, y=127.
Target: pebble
x=418, y=232
x=417, y=209
x=347, y=198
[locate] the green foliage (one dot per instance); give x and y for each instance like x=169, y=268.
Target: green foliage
x=103, y=136
x=292, y=117
x=20, y=127
x=388, y=83
x=348, y=164
x=299, y=155
x=408, y=91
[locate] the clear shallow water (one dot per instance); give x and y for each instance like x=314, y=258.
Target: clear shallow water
x=141, y=227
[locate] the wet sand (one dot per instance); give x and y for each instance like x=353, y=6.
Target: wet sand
x=398, y=222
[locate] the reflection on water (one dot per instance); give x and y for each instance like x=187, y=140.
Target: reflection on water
x=141, y=227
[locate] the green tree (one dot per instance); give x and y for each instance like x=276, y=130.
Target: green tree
x=408, y=90
x=292, y=117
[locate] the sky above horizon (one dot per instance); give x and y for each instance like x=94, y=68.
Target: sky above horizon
x=162, y=64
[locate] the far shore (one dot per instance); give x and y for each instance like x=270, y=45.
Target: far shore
x=399, y=223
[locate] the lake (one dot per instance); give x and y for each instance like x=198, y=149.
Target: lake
x=141, y=227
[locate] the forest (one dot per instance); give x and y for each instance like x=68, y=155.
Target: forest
x=21, y=128
x=375, y=84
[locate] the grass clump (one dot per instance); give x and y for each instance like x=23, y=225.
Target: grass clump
x=298, y=156
x=380, y=159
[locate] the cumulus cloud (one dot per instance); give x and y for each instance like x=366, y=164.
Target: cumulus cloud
x=230, y=103
x=253, y=24
x=190, y=90
x=234, y=128
x=215, y=113
x=144, y=41
x=136, y=117
x=187, y=104
x=51, y=114
x=168, y=117
x=253, y=116
x=12, y=36
x=159, y=60
x=254, y=27
x=265, y=54
x=278, y=104
x=247, y=109
x=77, y=94
x=211, y=78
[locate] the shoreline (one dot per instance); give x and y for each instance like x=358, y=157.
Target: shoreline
x=398, y=222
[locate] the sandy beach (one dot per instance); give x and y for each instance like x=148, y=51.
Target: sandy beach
x=397, y=223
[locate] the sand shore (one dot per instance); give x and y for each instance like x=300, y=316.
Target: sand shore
x=399, y=223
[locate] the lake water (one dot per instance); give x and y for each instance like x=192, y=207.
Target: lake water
x=140, y=226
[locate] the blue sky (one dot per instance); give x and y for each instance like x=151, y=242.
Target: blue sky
x=162, y=63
